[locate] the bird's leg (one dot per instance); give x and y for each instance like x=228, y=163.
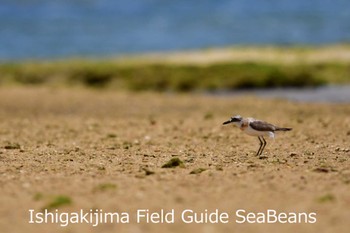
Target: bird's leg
x=261, y=143
x=263, y=146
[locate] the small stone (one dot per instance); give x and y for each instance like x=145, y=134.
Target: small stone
x=173, y=162
x=148, y=172
x=12, y=146
x=111, y=135
x=198, y=170
x=322, y=170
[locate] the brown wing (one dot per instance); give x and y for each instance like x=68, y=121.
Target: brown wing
x=262, y=126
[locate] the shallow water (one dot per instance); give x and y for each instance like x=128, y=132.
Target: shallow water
x=95, y=28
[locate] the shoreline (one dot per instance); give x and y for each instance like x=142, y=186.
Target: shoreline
x=261, y=54
x=289, y=54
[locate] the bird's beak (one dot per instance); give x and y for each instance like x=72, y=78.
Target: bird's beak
x=227, y=122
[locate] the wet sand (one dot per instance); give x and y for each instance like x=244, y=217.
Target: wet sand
x=105, y=150
x=323, y=94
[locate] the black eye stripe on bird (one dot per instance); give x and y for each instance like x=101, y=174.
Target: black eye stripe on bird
x=256, y=128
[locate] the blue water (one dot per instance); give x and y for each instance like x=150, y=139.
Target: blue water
x=98, y=28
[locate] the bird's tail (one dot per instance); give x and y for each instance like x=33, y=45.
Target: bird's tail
x=283, y=129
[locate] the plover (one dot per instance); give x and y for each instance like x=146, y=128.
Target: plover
x=257, y=128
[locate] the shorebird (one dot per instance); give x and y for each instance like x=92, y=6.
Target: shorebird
x=257, y=128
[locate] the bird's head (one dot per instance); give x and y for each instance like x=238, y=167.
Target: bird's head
x=235, y=119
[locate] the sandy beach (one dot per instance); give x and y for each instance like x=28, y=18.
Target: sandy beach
x=76, y=149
